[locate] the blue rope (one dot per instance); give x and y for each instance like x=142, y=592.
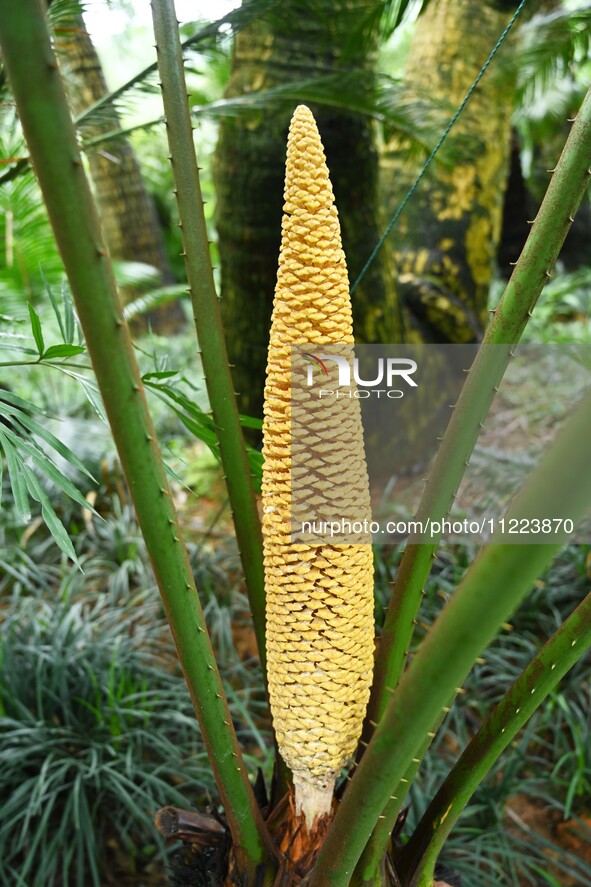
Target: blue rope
x=431, y=157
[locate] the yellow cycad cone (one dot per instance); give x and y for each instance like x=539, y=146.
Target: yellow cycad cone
x=320, y=628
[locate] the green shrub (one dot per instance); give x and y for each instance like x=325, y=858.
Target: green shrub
x=96, y=732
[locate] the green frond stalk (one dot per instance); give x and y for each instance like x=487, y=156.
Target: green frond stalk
x=544, y=672
x=491, y=589
x=48, y=128
x=564, y=195
x=565, y=192
x=207, y=312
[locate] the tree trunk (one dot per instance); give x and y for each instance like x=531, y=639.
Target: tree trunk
x=128, y=214
x=307, y=38
x=447, y=237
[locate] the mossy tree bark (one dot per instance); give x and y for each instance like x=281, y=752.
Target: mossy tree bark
x=307, y=38
x=446, y=241
x=128, y=215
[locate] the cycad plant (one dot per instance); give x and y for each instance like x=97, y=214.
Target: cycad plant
x=317, y=648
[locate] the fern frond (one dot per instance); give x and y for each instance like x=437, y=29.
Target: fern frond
x=552, y=46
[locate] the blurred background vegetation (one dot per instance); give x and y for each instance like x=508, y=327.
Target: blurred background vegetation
x=96, y=725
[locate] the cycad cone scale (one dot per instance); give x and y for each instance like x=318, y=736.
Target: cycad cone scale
x=320, y=627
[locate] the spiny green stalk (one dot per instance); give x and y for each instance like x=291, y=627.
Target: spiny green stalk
x=491, y=589
x=44, y=114
x=547, y=668
x=564, y=195
x=207, y=311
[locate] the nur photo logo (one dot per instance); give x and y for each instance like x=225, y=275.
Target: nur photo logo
x=385, y=372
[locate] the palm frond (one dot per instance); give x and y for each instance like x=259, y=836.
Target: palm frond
x=154, y=299
x=63, y=11
x=393, y=12
x=20, y=439
x=552, y=46
x=27, y=243
x=415, y=116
